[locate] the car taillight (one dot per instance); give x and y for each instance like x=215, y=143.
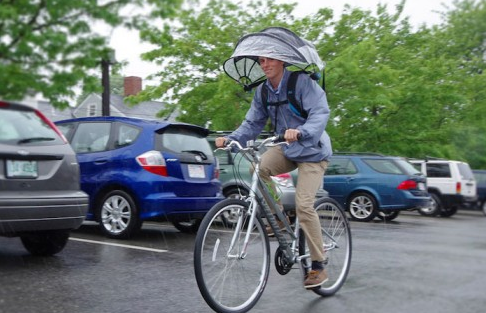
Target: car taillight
x=458, y=187
x=51, y=124
x=407, y=184
x=284, y=180
x=154, y=162
x=216, y=170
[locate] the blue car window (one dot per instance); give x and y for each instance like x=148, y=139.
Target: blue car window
x=480, y=178
x=341, y=166
x=126, y=135
x=384, y=166
x=66, y=129
x=91, y=137
x=408, y=168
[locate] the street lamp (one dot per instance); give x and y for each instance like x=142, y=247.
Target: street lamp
x=105, y=81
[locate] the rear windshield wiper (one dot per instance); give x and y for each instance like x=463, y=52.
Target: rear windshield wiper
x=33, y=139
x=200, y=153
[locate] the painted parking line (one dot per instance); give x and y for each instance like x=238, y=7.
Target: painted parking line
x=119, y=245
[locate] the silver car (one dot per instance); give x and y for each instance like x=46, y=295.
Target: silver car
x=40, y=196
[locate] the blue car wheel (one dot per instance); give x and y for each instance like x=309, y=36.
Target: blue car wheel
x=362, y=207
x=118, y=215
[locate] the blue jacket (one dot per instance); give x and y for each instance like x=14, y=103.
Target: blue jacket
x=314, y=144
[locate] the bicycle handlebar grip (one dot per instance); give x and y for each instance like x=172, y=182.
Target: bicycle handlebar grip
x=281, y=138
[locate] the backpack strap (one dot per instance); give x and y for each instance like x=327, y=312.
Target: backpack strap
x=295, y=105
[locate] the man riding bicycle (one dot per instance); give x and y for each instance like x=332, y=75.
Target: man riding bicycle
x=309, y=147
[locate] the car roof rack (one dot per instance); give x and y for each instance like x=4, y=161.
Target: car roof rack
x=358, y=153
x=427, y=158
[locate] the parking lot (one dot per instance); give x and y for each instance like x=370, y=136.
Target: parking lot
x=413, y=264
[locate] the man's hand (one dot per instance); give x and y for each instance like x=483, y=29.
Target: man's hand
x=292, y=135
x=220, y=142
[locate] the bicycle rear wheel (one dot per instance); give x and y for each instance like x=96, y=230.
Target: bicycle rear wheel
x=336, y=234
x=228, y=280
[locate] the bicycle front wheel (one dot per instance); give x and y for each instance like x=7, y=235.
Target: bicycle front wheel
x=231, y=276
x=336, y=234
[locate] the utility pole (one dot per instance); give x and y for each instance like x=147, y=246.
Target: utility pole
x=105, y=82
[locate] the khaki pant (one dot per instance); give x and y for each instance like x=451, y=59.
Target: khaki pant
x=309, y=180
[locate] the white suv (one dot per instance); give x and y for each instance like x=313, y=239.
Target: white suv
x=451, y=184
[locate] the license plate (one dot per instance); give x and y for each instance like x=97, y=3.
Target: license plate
x=21, y=169
x=196, y=171
x=421, y=186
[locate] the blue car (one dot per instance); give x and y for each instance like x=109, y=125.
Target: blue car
x=370, y=185
x=135, y=170
x=480, y=176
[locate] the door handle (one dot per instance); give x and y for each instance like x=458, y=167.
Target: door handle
x=101, y=161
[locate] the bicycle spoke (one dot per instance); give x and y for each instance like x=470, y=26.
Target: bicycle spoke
x=229, y=279
x=337, y=245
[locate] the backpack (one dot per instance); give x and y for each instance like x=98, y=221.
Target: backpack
x=294, y=104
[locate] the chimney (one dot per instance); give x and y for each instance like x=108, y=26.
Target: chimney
x=132, y=85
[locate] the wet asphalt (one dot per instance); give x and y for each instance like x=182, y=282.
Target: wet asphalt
x=413, y=264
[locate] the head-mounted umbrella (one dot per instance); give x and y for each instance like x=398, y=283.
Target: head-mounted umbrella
x=276, y=43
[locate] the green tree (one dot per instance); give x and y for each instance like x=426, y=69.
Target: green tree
x=409, y=93
x=466, y=36
x=50, y=46
x=394, y=90
x=391, y=89
x=192, y=52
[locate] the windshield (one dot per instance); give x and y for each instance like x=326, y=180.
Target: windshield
x=25, y=128
x=409, y=168
x=182, y=139
x=465, y=171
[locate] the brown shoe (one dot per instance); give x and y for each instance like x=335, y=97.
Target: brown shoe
x=280, y=224
x=315, y=278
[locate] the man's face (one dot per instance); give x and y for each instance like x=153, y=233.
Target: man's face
x=271, y=67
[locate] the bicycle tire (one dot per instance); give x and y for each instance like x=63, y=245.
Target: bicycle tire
x=334, y=223
x=227, y=281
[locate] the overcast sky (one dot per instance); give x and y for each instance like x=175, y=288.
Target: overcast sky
x=128, y=47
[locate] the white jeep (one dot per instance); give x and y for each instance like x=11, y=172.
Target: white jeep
x=451, y=184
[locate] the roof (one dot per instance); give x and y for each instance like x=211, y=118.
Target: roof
x=118, y=107
x=147, y=109
x=53, y=113
x=157, y=123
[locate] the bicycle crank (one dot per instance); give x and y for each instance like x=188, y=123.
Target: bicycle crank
x=282, y=264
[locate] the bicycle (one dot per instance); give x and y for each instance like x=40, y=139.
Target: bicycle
x=232, y=256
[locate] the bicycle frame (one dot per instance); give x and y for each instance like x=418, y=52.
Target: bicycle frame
x=260, y=197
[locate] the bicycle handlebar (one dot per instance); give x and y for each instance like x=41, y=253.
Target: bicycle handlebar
x=270, y=141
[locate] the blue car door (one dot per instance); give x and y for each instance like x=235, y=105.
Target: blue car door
x=340, y=175
x=90, y=142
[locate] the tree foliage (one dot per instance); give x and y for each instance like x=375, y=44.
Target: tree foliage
x=391, y=89
x=50, y=46
x=466, y=38
x=192, y=52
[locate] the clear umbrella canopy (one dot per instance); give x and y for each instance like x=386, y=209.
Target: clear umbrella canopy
x=276, y=43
